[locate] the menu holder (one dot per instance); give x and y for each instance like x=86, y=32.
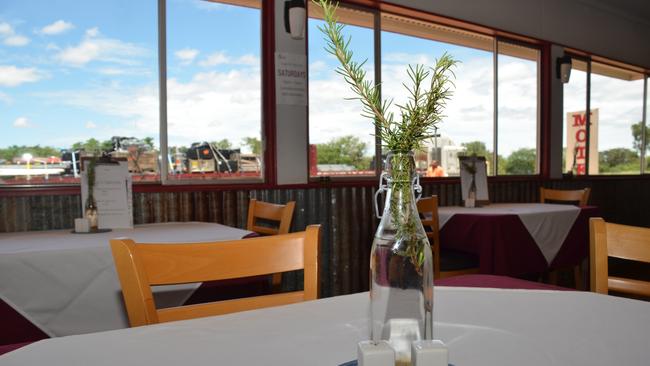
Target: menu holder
x=474, y=168
x=112, y=192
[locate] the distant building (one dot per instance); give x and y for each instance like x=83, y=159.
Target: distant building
x=445, y=151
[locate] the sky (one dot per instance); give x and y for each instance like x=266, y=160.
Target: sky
x=85, y=69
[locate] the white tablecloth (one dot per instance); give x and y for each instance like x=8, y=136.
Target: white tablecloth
x=480, y=326
x=66, y=283
x=548, y=224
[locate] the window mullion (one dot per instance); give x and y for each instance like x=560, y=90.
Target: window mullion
x=377, y=56
x=644, y=125
x=588, y=121
x=495, y=121
x=162, y=88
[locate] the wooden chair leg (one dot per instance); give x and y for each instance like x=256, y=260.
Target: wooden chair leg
x=552, y=277
x=577, y=278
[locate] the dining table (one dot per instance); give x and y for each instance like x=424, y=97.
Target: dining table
x=517, y=239
x=58, y=283
x=480, y=326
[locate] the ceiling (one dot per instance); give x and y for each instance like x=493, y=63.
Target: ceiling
x=637, y=10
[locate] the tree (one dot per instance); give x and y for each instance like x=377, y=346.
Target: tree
x=476, y=148
x=148, y=141
x=344, y=150
x=637, y=129
x=15, y=151
x=521, y=162
x=222, y=144
x=254, y=144
x=93, y=146
x=618, y=160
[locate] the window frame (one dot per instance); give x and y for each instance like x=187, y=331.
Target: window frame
x=264, y=112
x=588, y=59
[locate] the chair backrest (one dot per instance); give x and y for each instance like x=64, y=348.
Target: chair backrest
x=620, y=241
x=428, y=210
x=140, y=266
x=282, y=214
x=579, y=195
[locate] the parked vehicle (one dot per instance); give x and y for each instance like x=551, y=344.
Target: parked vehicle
x=140, y=156
x=203, y=157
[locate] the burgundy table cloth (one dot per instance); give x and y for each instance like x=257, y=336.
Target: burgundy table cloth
x=505, y=247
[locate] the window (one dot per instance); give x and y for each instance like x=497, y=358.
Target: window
x=617, y=117
x=82, y=79
x=467, y=126
x=646, y=131
x=72, y=79
x=614, y=143
x=214, y=116
x=342, y=142
x=517, y=116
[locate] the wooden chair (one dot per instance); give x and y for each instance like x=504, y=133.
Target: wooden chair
x=620, y=241
x=282, y=214
x=446, y=262
x=140, y=266
x=270, y=213
x=580, y=195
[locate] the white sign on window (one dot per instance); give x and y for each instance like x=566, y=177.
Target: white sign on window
x=576, y=142
x=290, y=78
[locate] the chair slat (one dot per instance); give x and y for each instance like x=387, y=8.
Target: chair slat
x=580, y=195
x=229, y=306
x=629, y=286
x=198, y=262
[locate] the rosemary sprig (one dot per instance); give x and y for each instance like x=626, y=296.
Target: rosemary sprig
x=423, y=110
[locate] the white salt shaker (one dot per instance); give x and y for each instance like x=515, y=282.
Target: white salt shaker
x=81, y=225
x=429, y=353
x=371, y=353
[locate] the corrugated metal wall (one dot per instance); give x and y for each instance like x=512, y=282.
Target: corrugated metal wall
x=346, y=214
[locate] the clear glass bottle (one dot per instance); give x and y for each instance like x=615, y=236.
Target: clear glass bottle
x=401, y=265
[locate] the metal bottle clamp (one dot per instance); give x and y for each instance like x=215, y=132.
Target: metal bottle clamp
x=384, y=187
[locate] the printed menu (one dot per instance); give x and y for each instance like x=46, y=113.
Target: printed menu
x=113, y=194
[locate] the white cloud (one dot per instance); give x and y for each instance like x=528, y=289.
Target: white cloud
x=215, y=59
x=10, y=38
x=97, y=48
x=57, y=27
x=221, y=58
x=16, y=40
x=14, y=76
x=210, y=106
x=186, y=55
x=6, y=29
x=248, y=60
x=6, y=98
x=22, y=122
x=90, y=124
x=92, y=32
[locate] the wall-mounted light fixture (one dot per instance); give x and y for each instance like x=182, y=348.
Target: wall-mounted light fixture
x=294, y=18
x=563, y=68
